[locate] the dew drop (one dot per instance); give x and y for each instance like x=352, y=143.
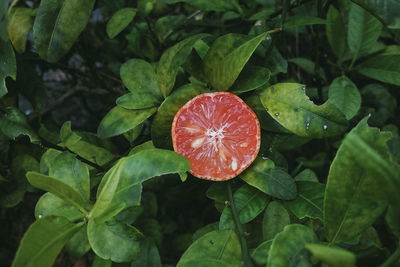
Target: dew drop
x=40, y=216
x=325, y=127
x=277, y=114
x=307, y=125
x=303, y=88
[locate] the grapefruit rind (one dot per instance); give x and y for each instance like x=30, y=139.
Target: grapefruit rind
x=252, y=116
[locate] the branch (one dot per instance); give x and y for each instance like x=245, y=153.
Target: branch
x=243, y=244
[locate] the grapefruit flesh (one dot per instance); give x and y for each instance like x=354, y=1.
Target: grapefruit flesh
x=218, y=133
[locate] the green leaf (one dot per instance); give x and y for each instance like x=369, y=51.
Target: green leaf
x=137, y=100
x=260, y=253
x=140, y=78
x=306, y=175
x=171, y=60
x=19, y=25
x=288, y=104
x=119, y=21
x=298, y=21
x=58, y=188
x=344, y=94
x=386, y=11
x=251, y=78
x=8, y=65
x=162, y=122
x=226, y=58
x=204, y=230
x=381, y=101
x=44, y=240
x=361, y=166
x=249, y=203
x=308, y=66
x=332, y=256
x=287, y=245
x=275, y=182
x=149, y=256
x=77, y=143
x=144, y=146
x=99, y=262
x=57, y=26
x=216, y=248
x=165, y=26
x=78, y=245
x=114, y=241
x=334, y=32
x=122, y=184
x=13, y=124
x=363, y=31
x=383, y=67
x=216, y=5
x=120, y=120
x=51, y=205
x=67, y=169
x=309, y=201
x=275, y=219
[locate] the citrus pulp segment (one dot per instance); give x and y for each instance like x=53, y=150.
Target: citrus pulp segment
x=218, y=133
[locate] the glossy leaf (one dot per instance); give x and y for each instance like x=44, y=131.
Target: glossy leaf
x=58, y=188
x=57, y=26
x=114, y=241
x=275, y=219
x=140, y=78
x=308, y=66
x=333, y=256
x=249, y=203
x=122, y=184
x=384, y=68
x=13, y=124
x=119, y=21
x=260, y=253
x=309, y=201
x=334, y=32
x=226, y=58
x=19, y=25
x=78, y=144
x=120, y=120
x=171, y=60
x=137, y=100
x=352, y=202
x=344, y=94
x=216, y=248
x=51, y=205
x=162, y=122
x=8, y=65
x=251, y=78
x=288, y=104
x=288, y=244
x=275, y=182
x=363, y=31
x=44, y=240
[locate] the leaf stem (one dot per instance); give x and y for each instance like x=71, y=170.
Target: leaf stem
x=392, y=259
x=243, y=244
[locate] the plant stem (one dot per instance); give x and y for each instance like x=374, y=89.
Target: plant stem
x=243, y=244
x=392, y=259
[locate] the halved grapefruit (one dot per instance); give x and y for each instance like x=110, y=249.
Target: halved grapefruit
x=218, y=133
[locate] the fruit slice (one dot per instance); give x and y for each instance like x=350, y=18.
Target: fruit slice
x=218, y=133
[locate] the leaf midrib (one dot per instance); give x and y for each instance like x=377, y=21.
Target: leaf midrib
x=55, y=26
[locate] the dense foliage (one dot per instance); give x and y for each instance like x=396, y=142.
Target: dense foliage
x=88, y=92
